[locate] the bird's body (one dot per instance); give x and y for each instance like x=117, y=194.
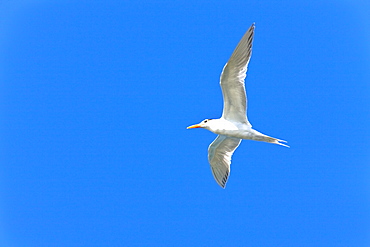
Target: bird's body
x=238, y=130
x=233, y=126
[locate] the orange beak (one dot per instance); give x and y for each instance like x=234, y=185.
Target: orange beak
x=194, y=126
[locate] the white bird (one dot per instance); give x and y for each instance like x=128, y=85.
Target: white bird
x=233, y=126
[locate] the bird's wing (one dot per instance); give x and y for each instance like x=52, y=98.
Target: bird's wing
x=232, y=80
x=219, y=156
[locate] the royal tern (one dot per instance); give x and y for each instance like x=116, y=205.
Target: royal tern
x=233, y=126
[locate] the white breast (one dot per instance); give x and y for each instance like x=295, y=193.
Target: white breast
x=221, y=126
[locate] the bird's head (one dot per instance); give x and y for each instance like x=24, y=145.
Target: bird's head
x=204, y=124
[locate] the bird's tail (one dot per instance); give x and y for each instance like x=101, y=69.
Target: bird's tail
x=278, y=141
x=269, y=139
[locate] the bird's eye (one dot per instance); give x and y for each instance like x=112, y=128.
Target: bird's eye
x=206, y=120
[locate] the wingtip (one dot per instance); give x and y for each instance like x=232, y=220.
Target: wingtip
x=222, y=186
x=222, y=183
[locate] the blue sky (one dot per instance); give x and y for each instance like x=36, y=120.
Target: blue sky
x=96, y=97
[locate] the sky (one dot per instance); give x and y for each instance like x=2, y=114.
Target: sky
x=95, y=98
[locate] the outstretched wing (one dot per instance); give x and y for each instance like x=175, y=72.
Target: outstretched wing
x=232, y=80
x=219, y=156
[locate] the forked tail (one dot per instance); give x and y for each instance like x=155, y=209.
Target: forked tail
x=269, y=139
x=253, y=134
x=275, y=141
x=278, y=141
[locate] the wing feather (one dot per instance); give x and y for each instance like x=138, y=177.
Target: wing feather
x=219, y=157
x=232, y=80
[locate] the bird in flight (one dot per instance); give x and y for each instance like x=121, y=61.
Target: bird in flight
x=233, y=126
